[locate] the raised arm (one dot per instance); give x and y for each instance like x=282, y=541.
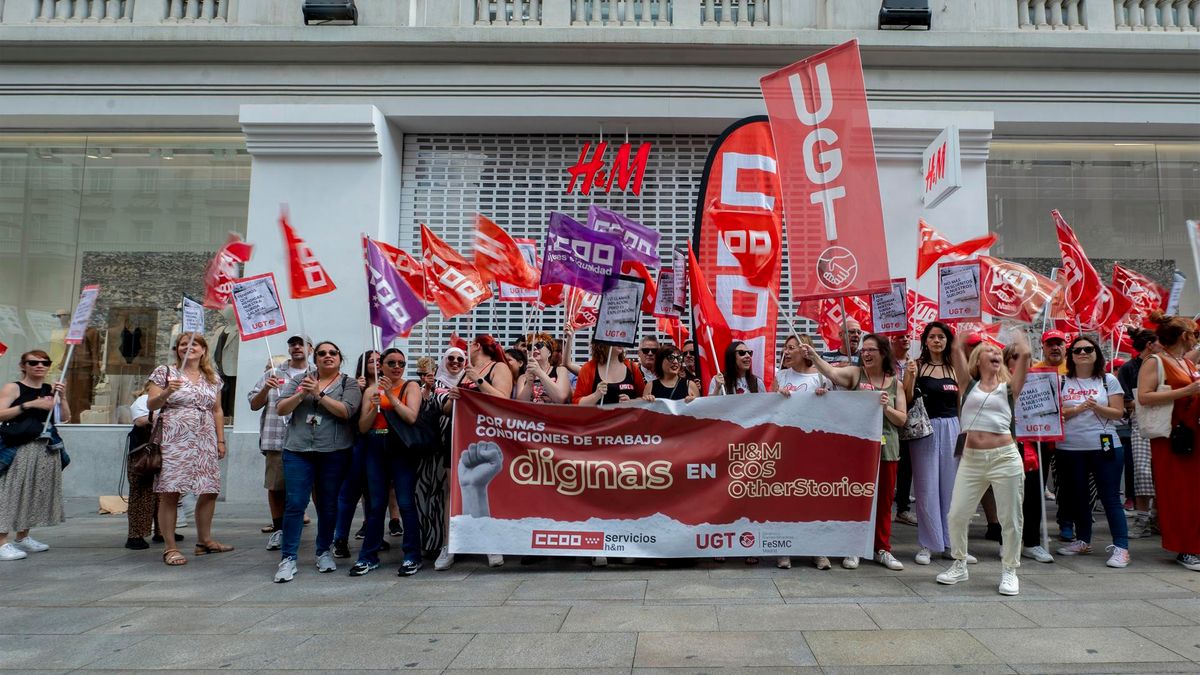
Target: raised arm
x=846, y=378
x=1024, y=358
x=958, y=359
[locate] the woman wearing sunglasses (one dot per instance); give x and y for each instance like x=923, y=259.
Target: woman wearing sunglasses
x=542, y=382
x=353, y=484
x=876, y=372
x=388, y=463
x=738, y=376
x=322, y=404
x=669, y=382
x=1092, y=402
x=31, y=488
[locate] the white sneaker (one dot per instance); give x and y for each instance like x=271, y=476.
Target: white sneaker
x=956, y=573
x=922, y=557
x=971, y=560
x=1077, y=547
x=286, y=571
x=1038, y=553
x=850, y=562
x=599, y=561
x=888, y=560
x=10, y=552
x=1008, y=581
x=1119, y=558
x=444, y=560
x=784, y=563
x=275, y=541
x=495, y=560
x=30, y=545
x=325, y=562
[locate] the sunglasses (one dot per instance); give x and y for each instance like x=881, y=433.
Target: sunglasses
x=674, y=357
x=38, y=362
x=1083, y=350
x=423, y=374
x=868, y=350
x=540, y=345
x=329, y=352
x=745, y=352
x=395, y=364
x=455, y=359
x=647, y=350
x=690, y=353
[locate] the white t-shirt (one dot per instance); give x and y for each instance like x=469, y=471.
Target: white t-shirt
x=789, y=380
x=140, y=407
x=1082, y=432
x=739, y=387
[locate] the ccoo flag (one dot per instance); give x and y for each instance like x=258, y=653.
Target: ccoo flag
x=308, y=277
x=394, y=307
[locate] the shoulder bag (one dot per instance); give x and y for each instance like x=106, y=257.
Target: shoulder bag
x=917, y=425
x=145, y=460
x=422, y=438
x=1154, y=421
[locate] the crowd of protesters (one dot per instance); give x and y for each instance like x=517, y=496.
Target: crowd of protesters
x=341, y=440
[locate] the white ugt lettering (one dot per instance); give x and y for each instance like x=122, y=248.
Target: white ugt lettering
x=799, y=99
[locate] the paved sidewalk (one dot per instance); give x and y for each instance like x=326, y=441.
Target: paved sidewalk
x=124, y=610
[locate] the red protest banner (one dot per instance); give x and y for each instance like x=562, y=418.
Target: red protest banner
x=666, y=479
x=819, y=120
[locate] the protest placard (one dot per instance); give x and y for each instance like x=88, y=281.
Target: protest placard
x=620, y=311
x=889, y=311
x=958, y=291
x=257, y=308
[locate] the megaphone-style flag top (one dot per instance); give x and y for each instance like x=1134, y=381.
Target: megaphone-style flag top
x=456, y=285
x=308, y=277
x=223, y=270
x=394, y=307
x=498, y=258
x=932, y=247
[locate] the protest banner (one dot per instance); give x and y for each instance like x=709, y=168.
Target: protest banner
x=751, y=475
x=257, y=308
x=889, y=311
x=958, y=291
x=830, y=186
x=620, y=313
x=511, y=293
x=1039, y=408
x=664, y=297
x=82, y=315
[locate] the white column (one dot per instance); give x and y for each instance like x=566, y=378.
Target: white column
x=337, y=168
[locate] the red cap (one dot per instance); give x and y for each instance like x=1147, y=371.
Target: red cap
x=1054, y=335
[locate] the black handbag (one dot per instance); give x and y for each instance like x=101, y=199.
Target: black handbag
x=17, y=432
x=421, y=438
x=145, y=460
x=1183, y=439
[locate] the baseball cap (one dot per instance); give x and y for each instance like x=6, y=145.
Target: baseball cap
x=1054, y=335
x=300, y=338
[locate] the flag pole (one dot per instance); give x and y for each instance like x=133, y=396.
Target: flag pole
x=845, y=326
x=62, y=376
x=1042, y=497
x=785, y=315
x=716, y=360
x=375, y=340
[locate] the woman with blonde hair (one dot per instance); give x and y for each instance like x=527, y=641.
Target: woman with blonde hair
x=188, y=398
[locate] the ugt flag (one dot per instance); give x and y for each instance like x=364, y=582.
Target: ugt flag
x=394, y=307
x=580, y=257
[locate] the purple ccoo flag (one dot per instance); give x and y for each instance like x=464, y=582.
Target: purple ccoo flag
x=580, y=257
x=394, y=306
x=640, y=242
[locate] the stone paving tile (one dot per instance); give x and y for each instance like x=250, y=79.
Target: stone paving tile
x=535, y=671
x=740, y=618
x=957, y=669
x=1125, y=668
x=32, y=652
x=982, y=587
x=351, y=652
x=1185, y=579
x=332, y=620
x=712, y=589
x=1183, y=640
x=64, y=593
x=1188, y=608
x=56, y=620
x=766, y=650
x=946, y=615
x=774, y=670
x=845, y=587
x=548, y=650
x=1128, y=585
x=631, y=619
x=432, y=591
x=185, y=621
x=312, y=589
x=505, y=619
x=1072, y=645
x=897, y=647
x=580, y=589
x=183, y=592
x=222, y=652
x=1084, y=613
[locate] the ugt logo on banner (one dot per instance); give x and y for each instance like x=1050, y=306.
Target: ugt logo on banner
x=822, y=132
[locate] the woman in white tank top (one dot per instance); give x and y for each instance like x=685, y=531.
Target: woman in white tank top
x=990, y=457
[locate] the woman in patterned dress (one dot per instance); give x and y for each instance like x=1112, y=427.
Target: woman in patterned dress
x=193, y=440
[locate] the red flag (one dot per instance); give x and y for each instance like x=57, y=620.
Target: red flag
x=552, y=295
x=583, y=308
x=307, y=275
x=637, y=269
x=456, y=285
x=932, y=247
x=1013, y=291
x=410, y=269
x=3, y=349
x=497, y=257
x=673, y=328
x=752, y=237
x=921, y=310
x=712, y=332
x=223, y=270
x=1143, y=293
x=1088, y=301
x=827, y=312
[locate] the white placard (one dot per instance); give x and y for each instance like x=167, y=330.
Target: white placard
x=679, y=293
x=889, y=311
x=1039, y=407
x=193, y=316
x=1193, y=230
x=82, y=315
x=958, y=291
x=257, y=307
x=1177, y=281
x=664, y=297
x=620, y=312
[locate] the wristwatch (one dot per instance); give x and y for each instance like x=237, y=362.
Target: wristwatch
x=320, y=395
x=479, y=382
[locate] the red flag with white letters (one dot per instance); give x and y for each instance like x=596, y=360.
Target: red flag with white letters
x=583, y=308
x=921, y=310
x=932, y=247
x=1013, y=291
x=673, y=328
x=497, y=257
x=827, y=312
x=1089, y=302
x=410, y=269
x=753, y=238
x=456, y=285
x=223, y=271
x=308, y=277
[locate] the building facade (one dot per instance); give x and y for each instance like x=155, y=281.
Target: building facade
x=136, y=134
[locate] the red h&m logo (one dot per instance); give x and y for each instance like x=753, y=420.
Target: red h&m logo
x=623, y=170
x=564, y=539
x=936, y=170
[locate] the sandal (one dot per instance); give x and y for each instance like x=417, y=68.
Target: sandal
x=212, y=547
x=173, y=558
